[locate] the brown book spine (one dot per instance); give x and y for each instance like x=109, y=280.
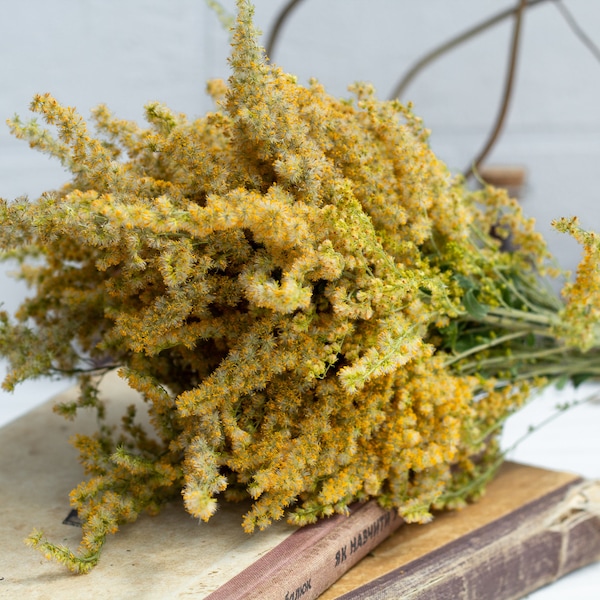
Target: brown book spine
x=309, y=561
x=506, y=559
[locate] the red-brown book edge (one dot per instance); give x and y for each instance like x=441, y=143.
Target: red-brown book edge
x=307, y=562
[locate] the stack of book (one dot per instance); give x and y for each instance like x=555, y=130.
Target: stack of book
x=532, y=527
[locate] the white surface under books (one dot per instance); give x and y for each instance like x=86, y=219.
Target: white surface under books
x=570, y=442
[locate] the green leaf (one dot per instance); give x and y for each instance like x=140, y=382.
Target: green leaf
x=473, y=306
x=580, y=378
x=561, y=382
x=466, y=283
x=450, y=335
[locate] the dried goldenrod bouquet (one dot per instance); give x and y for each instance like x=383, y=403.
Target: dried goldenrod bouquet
x=310, y=303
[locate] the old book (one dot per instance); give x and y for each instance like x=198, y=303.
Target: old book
x=534, y=511
x=532, y=527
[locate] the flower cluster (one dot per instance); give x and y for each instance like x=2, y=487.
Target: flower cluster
x=312, y=306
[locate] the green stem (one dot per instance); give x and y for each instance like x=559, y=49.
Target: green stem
x=514, y=317
x=513, y=358
x=546, y=421
x=490, y=471
x=559, y=370
x=481, y=347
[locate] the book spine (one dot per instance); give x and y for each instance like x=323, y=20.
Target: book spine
x=506, y=560
x=309, y=561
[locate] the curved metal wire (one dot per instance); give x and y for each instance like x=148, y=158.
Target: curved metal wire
x=585, y=39
x=516, y=12
x=452, y=43
x=277, y=26
x=507, y=94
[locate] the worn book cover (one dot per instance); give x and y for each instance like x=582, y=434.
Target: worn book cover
x=533, y=525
